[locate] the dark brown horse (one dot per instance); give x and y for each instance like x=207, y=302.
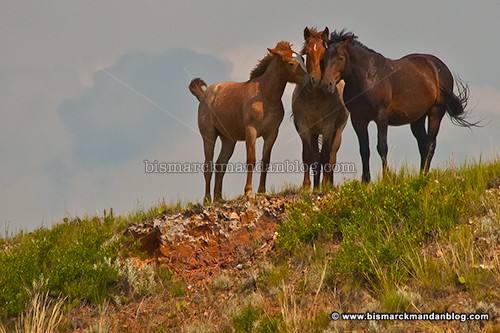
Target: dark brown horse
x=244, y=111
x=393, y=92
x=318, y=113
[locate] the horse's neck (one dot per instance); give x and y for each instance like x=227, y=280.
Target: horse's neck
x=365, y=63
x=272, y=82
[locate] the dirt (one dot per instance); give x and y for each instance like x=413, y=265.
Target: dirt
x=200, y=241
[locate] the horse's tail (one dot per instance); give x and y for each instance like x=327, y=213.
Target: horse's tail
x=456, y=104
x=196, y=88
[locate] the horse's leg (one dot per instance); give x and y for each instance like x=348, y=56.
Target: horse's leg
x=434, y=122
x=337, y=140
x=361, y=129
x=250, y=138
x=306, y=159
x=419, y=132
x=226, y=152
x=209, y=138
x=382, y=149
x=326, y=159
x=266, y=159
x=316, y=160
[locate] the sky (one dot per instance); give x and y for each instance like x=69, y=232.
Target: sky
x=89, y=90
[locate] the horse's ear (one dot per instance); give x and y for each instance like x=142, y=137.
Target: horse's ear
x=276, y=52
x=326, y=35
x=307, y=33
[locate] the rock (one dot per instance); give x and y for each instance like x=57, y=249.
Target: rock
x=201, y=240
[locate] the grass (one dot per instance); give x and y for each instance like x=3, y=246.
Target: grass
x=381, y=223
x=405, y=243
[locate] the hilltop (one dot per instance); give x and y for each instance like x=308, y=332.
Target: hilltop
x=271, y=263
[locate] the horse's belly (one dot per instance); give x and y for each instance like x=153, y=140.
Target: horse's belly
x=402, y=117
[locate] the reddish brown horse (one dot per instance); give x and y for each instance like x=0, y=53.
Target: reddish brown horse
x=318, y=113
x=393, y=92
x=244, y=111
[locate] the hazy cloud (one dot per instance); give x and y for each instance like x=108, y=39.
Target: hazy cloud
x=88, y=90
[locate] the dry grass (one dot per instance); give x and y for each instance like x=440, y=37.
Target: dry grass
x=43, y=315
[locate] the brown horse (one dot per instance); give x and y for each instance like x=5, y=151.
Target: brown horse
x=244, y=111
x=318, y=113
x=393, y=92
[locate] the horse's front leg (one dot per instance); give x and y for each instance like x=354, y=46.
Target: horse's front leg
x=266, y=159
x=250, y=138
x=361, y=129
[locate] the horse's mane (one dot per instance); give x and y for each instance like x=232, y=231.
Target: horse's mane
x=264, y=62
x=343, y=35
x=340, y=36
x=315, y=33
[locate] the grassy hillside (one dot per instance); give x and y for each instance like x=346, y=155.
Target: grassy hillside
x=408, y=243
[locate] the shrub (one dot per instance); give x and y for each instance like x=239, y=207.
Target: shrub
x=382, y=222
x=73, y=256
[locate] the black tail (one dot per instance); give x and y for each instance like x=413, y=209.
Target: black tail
x=196, y=87
x=456, y=104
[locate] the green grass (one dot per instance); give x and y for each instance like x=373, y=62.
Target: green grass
x=405, y=241
x=381, y=224
x=79, y=259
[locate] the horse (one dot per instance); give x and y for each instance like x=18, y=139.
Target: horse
x=244, y=111
x=389, y=92
x=318, y=113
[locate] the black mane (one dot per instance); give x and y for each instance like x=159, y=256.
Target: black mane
x=343, y=35
x=340, y=36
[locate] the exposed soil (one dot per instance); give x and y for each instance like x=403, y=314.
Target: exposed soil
x=199, y=242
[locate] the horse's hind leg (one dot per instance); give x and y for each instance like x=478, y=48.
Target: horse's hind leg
x=266, y=159
x=306, y=159
x=361, y=129
x=325, y=157
x=337, y=140
x=382, y=149
x=434, y=122
x=315, y=161
x=419, y=132
x=250, y=138
x=226, y=152
x=209, y=138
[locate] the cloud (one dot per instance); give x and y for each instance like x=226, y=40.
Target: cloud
x=73, y=137
x=135, y=106
x=138, y=109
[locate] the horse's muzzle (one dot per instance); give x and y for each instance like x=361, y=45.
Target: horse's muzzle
x=329, y=86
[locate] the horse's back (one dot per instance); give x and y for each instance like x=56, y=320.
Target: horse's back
x=431, y=63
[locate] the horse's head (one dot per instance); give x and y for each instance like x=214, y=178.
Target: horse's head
x=336, y=63
x=315, y=44
x=292, y=62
